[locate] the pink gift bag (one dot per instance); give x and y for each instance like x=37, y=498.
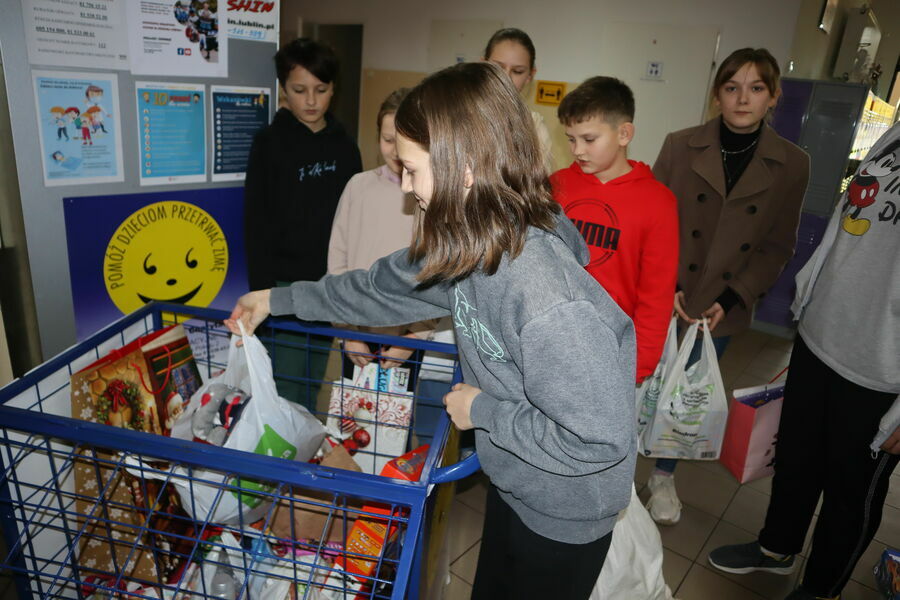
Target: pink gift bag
x=748, y=450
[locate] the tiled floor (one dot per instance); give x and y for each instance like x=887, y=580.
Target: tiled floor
x=717, y=510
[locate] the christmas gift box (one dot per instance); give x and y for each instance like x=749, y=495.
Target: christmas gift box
x=171, y=532
x=374, y=410
x=112, y=541
x=139, y=387
x=172, y=373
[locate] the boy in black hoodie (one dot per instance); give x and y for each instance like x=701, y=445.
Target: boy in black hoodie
x=296, y=173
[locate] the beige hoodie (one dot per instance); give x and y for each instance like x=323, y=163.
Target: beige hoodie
x=374, y=218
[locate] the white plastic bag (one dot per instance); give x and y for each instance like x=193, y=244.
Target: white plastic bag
x=887, y=426
x=692, y=411
x=633, y=567
x=270, y=577
x=269, y=425
x=650, y=389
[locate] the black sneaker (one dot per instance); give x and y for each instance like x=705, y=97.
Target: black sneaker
x=747, y=558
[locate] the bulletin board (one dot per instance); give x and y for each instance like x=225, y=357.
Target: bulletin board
x=250, y=64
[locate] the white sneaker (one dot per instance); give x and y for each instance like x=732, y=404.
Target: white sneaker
x=664, y=505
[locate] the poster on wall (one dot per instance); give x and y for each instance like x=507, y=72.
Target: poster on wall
x=179, y=37
x=237, y=113
x=78, y=127
x=255, y=20
x=76, y=34
x=184, y=247
x=172, y=132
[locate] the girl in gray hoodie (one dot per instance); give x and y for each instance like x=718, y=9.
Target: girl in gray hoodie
x=548, y=358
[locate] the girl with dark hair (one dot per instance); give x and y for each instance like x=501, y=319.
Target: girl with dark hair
x=513, y=51
x=547, y=356
x=740, y=188
x=297, y=169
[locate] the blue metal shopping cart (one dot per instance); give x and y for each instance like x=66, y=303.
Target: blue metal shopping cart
x=72, y=532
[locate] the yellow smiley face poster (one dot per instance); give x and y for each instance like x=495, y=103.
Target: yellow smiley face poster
x=179, y=247
x=167, y=252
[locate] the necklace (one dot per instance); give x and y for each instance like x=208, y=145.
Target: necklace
x=727, y=152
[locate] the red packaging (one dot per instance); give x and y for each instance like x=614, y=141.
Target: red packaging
x=370, y=535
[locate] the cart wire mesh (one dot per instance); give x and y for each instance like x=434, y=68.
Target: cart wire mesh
x=93, y=511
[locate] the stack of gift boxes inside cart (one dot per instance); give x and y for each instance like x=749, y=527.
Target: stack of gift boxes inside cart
x=167, y=531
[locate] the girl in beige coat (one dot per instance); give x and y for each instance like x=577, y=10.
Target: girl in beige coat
x=740, y=188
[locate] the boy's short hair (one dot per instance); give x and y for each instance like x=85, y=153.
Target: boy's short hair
x=607, y=98
x=316, y=58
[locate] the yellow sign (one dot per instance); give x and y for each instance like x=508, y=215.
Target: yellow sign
x=550, y=93
x=167, y=251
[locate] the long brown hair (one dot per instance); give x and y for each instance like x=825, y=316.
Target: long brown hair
x=470, y=115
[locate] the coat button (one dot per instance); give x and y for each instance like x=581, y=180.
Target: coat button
x=696, y=233
x=745, y=247
x=751, y=209
x=701, y=197
x=692, y=267
x=726, y=275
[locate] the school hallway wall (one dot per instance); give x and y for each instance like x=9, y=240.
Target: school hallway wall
x=571, y=42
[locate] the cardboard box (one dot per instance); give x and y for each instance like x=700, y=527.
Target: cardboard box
x=309, y=521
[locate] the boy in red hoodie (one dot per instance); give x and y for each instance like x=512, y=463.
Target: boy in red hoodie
x=628, y=219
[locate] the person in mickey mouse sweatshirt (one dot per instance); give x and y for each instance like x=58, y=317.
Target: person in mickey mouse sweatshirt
x=844, y=377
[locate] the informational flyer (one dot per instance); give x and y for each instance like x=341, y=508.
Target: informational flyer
x=176, y=38
x=255, y=20
x=69, y=33
x=78, y=125
x=238, y=113
x=179, y=246
x=172, y=132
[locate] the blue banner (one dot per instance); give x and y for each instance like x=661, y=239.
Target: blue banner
x=172, y=123
x=238, y=113
x=126, y=250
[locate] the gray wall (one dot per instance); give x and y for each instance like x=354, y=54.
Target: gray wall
x=250, y=63
x=16, y=299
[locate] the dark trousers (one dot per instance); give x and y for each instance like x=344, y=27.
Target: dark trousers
x=827, y=424
x=518, y=564
x=299, y=361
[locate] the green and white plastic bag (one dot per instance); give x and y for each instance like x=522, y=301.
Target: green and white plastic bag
x=692, y=411
x=647, y=397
